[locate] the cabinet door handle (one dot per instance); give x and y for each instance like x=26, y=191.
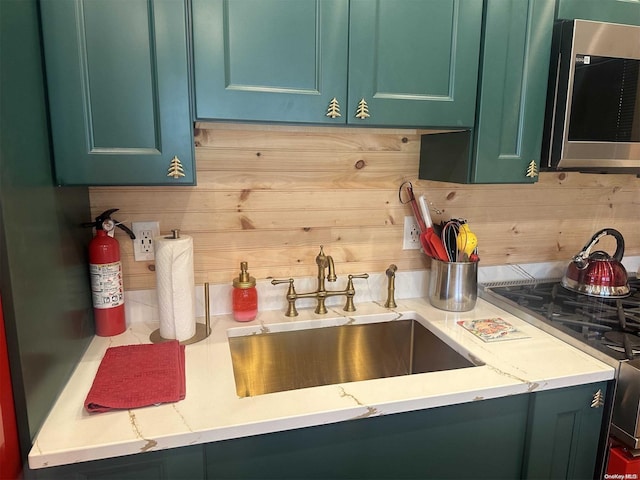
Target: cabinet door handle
x=532, y=169
x=333, y=110
x=598, y=399
x=175, y=168
x=362, y=112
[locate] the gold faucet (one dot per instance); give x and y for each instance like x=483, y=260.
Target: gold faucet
x=391, y=276
x=325, y=263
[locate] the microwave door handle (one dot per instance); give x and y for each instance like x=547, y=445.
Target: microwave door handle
x=552, y=132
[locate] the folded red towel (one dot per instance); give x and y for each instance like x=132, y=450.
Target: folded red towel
x=135, y=376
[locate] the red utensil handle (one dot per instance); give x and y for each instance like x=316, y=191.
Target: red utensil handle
x=416, y=213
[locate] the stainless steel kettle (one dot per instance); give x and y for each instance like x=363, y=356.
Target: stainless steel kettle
x=598, y=274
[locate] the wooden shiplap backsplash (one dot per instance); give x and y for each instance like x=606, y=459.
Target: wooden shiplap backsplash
x=271, y=195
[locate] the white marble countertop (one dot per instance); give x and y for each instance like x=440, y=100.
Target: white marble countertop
x=213, y=411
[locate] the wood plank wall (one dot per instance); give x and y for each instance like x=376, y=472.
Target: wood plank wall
x=271, y=195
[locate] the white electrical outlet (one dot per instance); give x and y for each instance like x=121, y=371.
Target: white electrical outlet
x=143, y=244
x=411, y=238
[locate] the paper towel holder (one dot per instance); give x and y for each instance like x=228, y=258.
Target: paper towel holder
x=203, y=330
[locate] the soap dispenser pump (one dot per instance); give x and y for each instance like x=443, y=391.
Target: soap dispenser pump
x=245, y=296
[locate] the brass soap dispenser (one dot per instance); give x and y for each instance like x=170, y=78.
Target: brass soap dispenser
x=245, y=296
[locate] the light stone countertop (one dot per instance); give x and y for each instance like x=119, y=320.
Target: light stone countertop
x=213, y=411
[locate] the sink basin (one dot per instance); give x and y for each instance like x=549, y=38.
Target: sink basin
x=289, y=360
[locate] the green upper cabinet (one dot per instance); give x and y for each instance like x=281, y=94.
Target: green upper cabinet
x=513, y=89
x=118, y=84
x=271, y=60
x=362, y=62
x=505, y=145
x=614, y=11
x=414, y=62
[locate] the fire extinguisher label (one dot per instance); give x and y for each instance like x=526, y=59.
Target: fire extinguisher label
x=106, y=285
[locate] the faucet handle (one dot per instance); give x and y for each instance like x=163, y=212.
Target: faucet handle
x=361, y=275
x=350, y=307
x=291, y=296
x=291, y=290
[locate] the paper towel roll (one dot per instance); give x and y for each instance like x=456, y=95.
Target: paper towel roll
x=175, y=287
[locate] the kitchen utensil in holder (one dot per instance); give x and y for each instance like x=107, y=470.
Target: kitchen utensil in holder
x=453, y=286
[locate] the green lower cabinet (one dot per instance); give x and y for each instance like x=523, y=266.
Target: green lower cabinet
x=118, y=87
x=564, y=433
x=186, y=463
x=357, y=62
x=550, y=434
x=474, y=440
x=613, y=11
x=505, y=144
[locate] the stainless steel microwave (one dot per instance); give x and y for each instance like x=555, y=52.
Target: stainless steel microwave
x=592, y=121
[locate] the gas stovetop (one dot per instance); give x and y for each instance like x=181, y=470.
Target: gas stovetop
x=607, y=328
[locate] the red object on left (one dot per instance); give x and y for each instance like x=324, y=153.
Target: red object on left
x=106, y=285
x=10, y=462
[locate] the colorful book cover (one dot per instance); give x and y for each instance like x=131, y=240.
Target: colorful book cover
x=492, y=329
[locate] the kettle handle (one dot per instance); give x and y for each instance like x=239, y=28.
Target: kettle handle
x=596, y=238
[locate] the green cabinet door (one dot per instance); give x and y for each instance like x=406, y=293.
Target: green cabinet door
x=117, y=76
x=270, y=60
x=513, y=89
x=414, y=62
x=564, y=433
x=614, y=11
x=505, y=145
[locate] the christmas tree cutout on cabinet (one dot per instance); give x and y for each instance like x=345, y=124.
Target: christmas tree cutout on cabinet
x=175, y=168
x=334, y=108
x=363, y=110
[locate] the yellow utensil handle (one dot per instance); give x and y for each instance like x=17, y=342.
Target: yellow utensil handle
x=472, y=243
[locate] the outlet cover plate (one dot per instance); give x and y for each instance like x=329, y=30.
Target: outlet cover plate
x=411, y=238
x=143, y=244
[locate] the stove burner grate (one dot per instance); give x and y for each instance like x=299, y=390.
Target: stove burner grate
x=595, y=321
x=623, y=342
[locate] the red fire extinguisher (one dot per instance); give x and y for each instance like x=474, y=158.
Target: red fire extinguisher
x=106, y=275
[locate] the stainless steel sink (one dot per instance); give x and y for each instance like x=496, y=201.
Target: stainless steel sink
x=289, y=360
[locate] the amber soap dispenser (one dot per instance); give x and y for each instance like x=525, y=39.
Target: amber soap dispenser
x=245, y=296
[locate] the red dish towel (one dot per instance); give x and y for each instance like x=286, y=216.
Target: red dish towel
x=135, y=376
